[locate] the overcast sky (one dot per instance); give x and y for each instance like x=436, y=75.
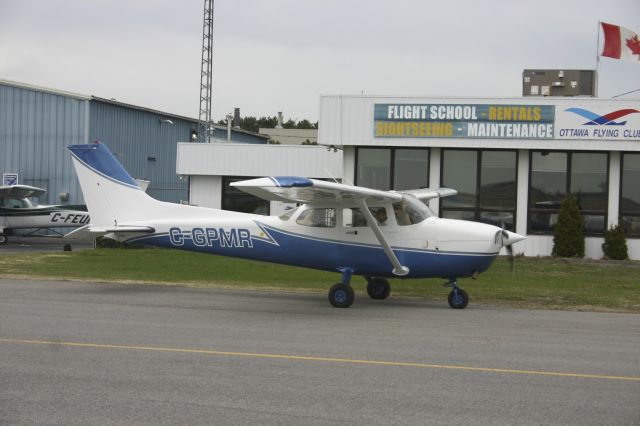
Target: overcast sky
x=281, y=55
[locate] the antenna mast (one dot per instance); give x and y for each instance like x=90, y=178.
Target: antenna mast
x=205, y=123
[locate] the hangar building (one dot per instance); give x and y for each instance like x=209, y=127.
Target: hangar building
x=36, y=124
x=512, y=160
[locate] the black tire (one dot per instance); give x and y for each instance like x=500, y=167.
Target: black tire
x=460, y=301
x=3, y=239
x=341, y=295
x=378, y=288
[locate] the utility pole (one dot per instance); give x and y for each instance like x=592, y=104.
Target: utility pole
x=205, y=124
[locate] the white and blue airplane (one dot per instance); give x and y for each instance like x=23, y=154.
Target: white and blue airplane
x=342, y=228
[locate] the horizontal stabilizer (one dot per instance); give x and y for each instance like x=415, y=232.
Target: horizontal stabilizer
x=88, y=232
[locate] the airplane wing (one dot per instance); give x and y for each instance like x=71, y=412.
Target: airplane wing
x=427, y=194
x=20, y=191
x=303, y=190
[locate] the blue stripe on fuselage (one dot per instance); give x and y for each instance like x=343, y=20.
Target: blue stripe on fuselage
x=330, y=255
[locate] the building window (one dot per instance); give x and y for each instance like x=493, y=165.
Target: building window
x=392, y=168
x=486, y=185
x=630, y=194
x=238, y=201
x=556, y=174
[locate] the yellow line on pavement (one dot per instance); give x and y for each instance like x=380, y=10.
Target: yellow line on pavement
x=322, y=359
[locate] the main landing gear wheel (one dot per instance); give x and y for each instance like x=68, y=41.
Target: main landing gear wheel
x=378, y=288
x=341, y=295
x=458, y=298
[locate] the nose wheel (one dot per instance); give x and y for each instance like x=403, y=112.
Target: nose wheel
x=341, y=295
x=458, y=298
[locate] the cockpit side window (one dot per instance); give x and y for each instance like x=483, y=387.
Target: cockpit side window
x=14, y=203
x=318, y=217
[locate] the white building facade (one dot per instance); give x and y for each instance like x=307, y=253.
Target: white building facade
x=210, y=168
x=512, y=161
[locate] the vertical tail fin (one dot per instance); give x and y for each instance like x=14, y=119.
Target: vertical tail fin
x=111, y=194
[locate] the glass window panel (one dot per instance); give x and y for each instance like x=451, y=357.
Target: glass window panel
x=499, y=219
x=235, y=200
x=548, y=179
x=498, y=180
x=542, y=221
x=589, y=180
x=459, y=171
x=458, y=214
x=631, y=225
x=593, y=223
x=374, y=168
x=411, y=169
x=630, y=201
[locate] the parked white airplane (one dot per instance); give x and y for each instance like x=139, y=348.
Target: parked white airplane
x=18, y=212
x=333, y=230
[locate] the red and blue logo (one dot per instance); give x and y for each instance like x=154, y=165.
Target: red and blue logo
x=603, y=120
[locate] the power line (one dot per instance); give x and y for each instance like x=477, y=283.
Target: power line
x=625, y=93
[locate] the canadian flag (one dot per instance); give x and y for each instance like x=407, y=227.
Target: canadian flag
x=620, y=43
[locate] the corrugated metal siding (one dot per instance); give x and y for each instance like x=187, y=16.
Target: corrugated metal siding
x=35, y=128
x=36, y=124
x=137, y=137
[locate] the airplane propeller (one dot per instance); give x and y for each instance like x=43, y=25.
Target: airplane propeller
x=506, y=239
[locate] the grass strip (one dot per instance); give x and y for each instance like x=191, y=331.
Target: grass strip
x=538, y=283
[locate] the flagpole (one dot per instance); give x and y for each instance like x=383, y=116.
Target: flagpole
x=597, y=59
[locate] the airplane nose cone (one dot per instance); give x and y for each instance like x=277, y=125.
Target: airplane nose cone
x=507, y=238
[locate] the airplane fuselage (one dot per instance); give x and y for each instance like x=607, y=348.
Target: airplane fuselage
x=434, y=247
x=43, y=217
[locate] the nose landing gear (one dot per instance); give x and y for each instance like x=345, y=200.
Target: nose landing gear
x=341, y=295
x=458, y=298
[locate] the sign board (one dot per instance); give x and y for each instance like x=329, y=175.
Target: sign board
x=599, y=122
x=9, y=179
x=476, y=121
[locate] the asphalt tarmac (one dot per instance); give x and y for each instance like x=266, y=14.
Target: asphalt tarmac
x=76, y=353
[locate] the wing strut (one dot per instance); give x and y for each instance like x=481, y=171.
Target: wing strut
x=398, y=269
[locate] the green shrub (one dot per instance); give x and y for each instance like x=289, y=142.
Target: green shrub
x=615, y=244
x=568, y=239
x=102, y=242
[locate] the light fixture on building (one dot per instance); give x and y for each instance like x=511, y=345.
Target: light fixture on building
x=165, y=120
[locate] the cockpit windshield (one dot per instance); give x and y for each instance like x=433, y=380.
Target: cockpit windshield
x=410, y=211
